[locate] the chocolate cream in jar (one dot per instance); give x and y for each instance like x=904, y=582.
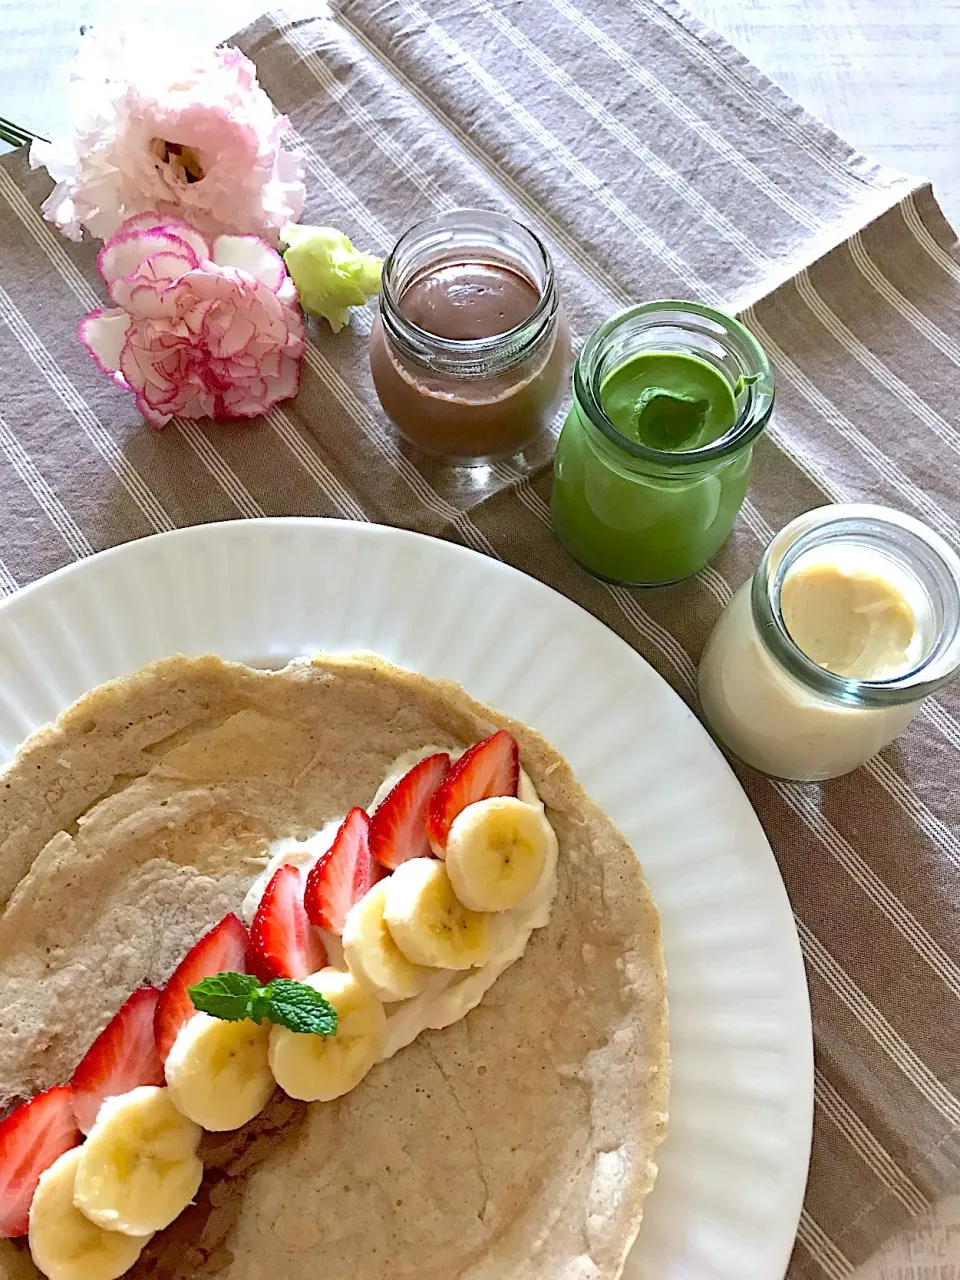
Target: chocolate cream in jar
x=470, y=350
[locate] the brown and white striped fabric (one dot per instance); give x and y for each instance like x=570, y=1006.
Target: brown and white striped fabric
x=656, y=163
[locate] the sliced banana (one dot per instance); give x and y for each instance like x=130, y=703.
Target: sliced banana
x=64, y=1244
x=496, y=852
x=218, y=1073
x=319, y=1068
x=429, y=923
x=139, y=1168
x=371, y=953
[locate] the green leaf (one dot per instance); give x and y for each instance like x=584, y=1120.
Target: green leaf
x=669, y=419
x=226, y=995
x=234, y=996
x=260, y=1008
x=747, y=381
x=301, y=1008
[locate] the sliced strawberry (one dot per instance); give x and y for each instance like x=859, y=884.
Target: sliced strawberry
x=283, y=943
x=31, y=1138
x=487, y=769
x=398, y=828
x=123, y=1056
x=224, y=949
x=342, y=875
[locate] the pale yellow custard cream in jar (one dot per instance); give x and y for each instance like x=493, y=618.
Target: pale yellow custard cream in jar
x=851, y=620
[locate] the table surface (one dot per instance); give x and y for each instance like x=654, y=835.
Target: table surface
x=881, y=73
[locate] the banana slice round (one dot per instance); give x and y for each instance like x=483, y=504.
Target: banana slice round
x=429, y=923
x=371, y=953
x=218, y=1072
x=139, y=1168
x=319, y=1068
x=64, y=1244
x=496, y=852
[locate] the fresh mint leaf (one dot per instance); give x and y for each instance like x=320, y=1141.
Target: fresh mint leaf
x=669, y=419
x=234, y=996
x=260, y=1008
x=226, y=995
x=745, y=381
x=301, y=1008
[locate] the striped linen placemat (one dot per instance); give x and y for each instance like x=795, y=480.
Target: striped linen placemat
x=656, y=163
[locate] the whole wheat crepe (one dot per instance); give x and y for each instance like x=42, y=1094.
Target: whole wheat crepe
x=517, y=1143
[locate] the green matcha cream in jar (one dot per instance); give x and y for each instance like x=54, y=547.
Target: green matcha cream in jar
x=653, y=460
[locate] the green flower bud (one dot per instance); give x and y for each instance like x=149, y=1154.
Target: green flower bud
x=330, y=275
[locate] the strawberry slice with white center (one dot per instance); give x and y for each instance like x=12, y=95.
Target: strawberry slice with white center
x=222, y=950
x=398, y=828
x=487, y=769
x=283, y=942
x=31, y=1138
x=342, y=875
x=123, y=1056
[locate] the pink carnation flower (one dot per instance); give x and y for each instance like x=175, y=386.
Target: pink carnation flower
x=201, y=329
x=190, y=134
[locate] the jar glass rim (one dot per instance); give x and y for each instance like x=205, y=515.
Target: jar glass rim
x=750, y=421
x=476, y=347
x=859, y=522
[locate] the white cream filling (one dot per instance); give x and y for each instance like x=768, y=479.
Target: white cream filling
x=449, y=995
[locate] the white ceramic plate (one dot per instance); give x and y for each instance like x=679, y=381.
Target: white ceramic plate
x=733, y=1167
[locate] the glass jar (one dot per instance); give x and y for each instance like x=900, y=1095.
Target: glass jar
x=478, y=399
x=781, y=712
x=646, y=516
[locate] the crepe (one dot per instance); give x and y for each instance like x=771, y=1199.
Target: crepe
x=516, y=1144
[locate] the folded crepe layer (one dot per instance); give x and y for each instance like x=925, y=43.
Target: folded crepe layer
x=517, y=1143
